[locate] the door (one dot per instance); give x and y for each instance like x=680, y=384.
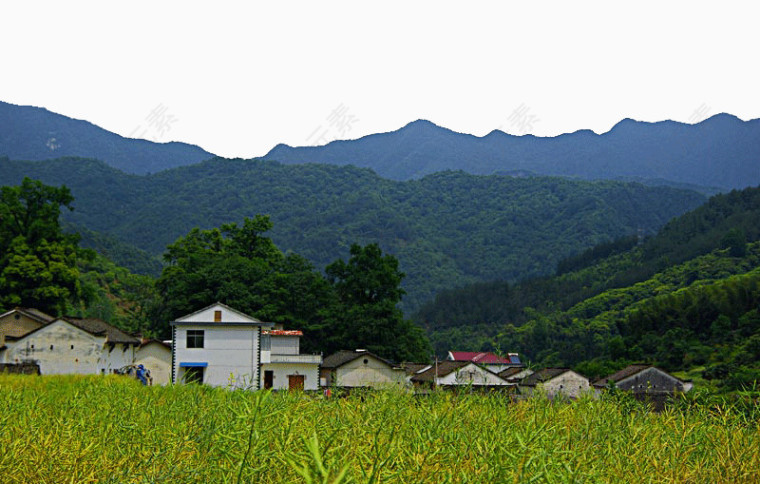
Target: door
x=295, y=382
x=193, y=374
x=268, y=379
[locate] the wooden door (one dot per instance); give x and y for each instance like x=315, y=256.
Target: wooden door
x=295, y=382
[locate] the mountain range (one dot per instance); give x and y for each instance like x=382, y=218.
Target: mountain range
x=722, y=151
x=31, y=133
x=718, y=154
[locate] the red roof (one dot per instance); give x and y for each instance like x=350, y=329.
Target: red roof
x=283, y=332
x=479, y=357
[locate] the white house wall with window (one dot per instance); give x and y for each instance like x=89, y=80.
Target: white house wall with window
x=218, y=346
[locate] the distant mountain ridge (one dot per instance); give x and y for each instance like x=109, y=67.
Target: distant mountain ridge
x=722, y=151
x=32, y=133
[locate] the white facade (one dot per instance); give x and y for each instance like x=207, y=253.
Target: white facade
x=220, y=346
x=471, y=374
x=156, y=357
x=568, y=383
x=365, y=371
x=282, y=365
x=62, y=348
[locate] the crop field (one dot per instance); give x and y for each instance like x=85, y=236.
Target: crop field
x=112, y=430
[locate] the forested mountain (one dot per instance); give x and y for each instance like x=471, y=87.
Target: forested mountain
x=31, y=133
x=721, y=151
x=446, y=229
x=688, y=296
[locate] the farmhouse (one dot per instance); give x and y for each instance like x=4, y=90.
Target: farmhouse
x=458, y=373
x=555, y=382
x=20, y=321
x=72, y=345
x=515, y=374
x=156, y=356
x=283, y=366
x=360, y=368
x=643, y=379
x=221, y=346
x=489, y=360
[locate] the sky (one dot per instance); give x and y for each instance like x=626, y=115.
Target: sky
x=237, y=78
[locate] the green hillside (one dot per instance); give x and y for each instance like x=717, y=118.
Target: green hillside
x=447, y=229
x=688, y=297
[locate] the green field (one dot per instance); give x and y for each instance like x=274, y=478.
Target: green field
x=109, y=429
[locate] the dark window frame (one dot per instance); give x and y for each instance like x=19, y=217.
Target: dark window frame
x=195, y=338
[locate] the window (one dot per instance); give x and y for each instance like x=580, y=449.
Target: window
x=72, y=347
x=194, y=374
x=266, y=342
x=195, y=338
x=51, y=347
x=217, y=316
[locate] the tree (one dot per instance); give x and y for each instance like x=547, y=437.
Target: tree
x=237, y=265
x=368, y=288
x=37, y=260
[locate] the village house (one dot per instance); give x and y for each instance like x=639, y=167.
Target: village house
x=360, y=369
x=555, y=382
x=19, y=321
x=283, y=366
x=72, y=345
x=449, y=374
x=643, y=379
x=220, y=346
x=489, y=360
x=155, y=356
x=515, y=374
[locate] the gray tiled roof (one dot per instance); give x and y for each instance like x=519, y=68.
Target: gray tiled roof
x=542, y=376
x=344, y=356
x=443, y=368
x=629, y=370
x=101, y=328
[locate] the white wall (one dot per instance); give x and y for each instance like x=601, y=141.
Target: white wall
x=228, y=316
x=230, y=351
x=61, y=348
x=374, y=373
x=158, y=359
x=570, y=384
x=282, y=370
x=471, y=375
x=284, y=345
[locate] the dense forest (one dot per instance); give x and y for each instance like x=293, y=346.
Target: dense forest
x=354, y=304
x=446, y=229
x=687, y=297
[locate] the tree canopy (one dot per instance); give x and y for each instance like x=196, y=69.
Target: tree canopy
x=355, y=306
x=37, y=260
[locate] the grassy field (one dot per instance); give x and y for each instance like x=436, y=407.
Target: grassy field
x=109, y=429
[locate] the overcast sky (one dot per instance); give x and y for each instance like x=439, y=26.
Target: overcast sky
x=237, y=79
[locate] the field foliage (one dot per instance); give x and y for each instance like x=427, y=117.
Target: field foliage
x=108, y=429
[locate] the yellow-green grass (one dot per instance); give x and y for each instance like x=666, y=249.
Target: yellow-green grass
x=111, y=429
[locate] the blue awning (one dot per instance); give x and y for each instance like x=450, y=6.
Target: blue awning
x=190, y=364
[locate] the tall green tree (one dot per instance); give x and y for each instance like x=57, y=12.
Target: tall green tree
x=37, y=260
x=368, y=288
x=239, y=266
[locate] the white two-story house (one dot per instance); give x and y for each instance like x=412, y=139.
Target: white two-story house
x=221, y=346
